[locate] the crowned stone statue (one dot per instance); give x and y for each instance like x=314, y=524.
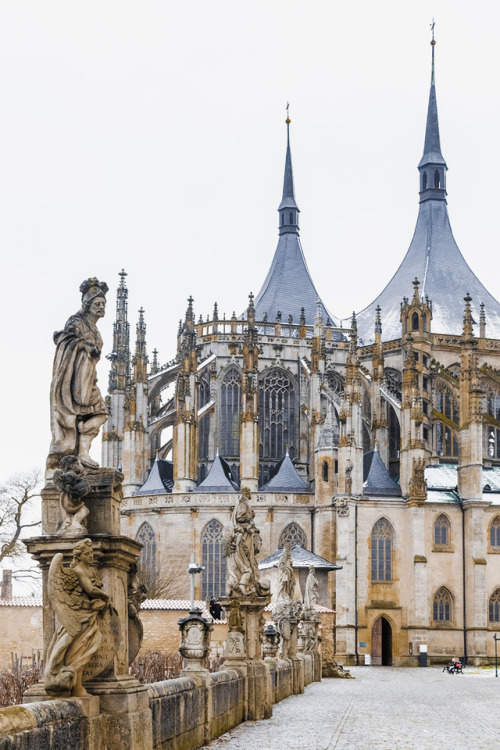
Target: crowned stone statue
x=77, y=409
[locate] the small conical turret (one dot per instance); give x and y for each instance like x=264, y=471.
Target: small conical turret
x=468, y=330
x=140, y=360
x=432, y=166
x=120, y=356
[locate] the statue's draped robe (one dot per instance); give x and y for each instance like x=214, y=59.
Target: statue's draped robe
x=74, y=393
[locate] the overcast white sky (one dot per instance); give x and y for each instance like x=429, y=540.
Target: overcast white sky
x=150, y=136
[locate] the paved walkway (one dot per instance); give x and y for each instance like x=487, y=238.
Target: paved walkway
x=385, y=707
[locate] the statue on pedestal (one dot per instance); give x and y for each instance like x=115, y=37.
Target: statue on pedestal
x=71, y=481
x=80, y=606
x=77, y=409
x=286, y=610
x=311, y=596
x=241, y=543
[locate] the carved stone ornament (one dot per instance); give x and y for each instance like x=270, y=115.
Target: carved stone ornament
x=311, y=596
x=70, y=479
x=418, y=484
x=235, y=645
x=241, y=543
x=195, y=640
x=286, y=610
x=307, y=641
x=87, y=634
x=341, y=505
x=270, y=642
x=136, y=594
x=77, y=409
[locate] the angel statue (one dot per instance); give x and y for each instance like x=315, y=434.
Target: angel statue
x=79, y=602
x=241, y=543
x=77, y=409
x=72, y=483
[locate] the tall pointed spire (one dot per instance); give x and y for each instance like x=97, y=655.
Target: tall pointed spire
x=140, y=360
x=288, y=209
x=432, y=166
x=120, y=356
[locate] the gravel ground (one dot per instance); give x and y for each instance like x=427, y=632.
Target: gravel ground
x=384, y=707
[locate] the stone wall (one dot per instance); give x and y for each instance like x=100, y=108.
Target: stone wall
x=186, y=713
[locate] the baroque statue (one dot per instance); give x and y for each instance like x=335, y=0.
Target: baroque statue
x=311, y=592
x=77, y=409
x=286, y=610
x=73, y=485
x=241, y=543
x=80, y=604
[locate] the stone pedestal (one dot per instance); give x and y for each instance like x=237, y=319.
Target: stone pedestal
x=308, y=643
x=243, y=650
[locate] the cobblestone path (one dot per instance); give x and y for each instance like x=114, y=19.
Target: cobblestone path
x=385, y=707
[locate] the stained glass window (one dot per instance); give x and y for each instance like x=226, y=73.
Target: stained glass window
x=146, y=536
x=442, y=531
x=213, y=577
x=381, y=551
x=276, y=415
x=494, y=613
x=441, y=608
x=230, y=414
x=292, y=535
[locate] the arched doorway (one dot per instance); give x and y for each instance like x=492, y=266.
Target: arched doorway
x=381, y=643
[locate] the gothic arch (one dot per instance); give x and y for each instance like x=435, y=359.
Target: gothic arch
x=442, y=531
x=278, y=414
x=229, y=411
x=213, y=577
x=382, y=545
x=494, y=533
x=442, y=605
x=292, y=534
x=147, y=537
x=494, y=608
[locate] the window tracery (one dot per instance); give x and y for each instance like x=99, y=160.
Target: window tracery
x=442, y=606
x=495, y=533
x=442, y=531
x=292, y=535
x=393, y=381
x=494, y=607
x=230, y=399
x=204, y=422
x=146, y=536
x=276, y=415
x=213, y=577
x=381, y=551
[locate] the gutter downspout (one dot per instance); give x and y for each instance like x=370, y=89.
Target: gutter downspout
x=463, y=576
x=356, y=579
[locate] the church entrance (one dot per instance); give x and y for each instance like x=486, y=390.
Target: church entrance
x=381, y=643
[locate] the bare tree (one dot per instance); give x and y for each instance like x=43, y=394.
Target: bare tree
x=16, y=497
x=167, y=583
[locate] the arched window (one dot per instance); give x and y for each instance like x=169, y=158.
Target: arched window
x=424, y=181
x=436, y=179
x=493, y=442
x=292, y=535
x=367, y=406
x=414, y=321
x=495, y=532
x=381, y=551
x=446, y=403
x=446, y=441
x=282, y=219
x=213, y=577
x=276, y=415
x=230, y=414
x=424, y=322
x=442, y=606
x=442, y=531
x=325, y=471
x=291, y=217
x=494, y=613
x=204, y=423
x=494, y=404
x=147, y=558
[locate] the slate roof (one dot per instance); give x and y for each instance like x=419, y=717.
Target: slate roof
x=435, y=259
x=376, y=479
x=442, y=482
x=288, y=286
x=218, y=479
x=285, y=478
x=301, y=558
x=160, y=480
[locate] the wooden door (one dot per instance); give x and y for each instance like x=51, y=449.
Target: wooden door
x=377, y=643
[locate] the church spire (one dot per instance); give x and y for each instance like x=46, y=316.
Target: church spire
x=432, y=166
x=120, y=356
x=288, y=209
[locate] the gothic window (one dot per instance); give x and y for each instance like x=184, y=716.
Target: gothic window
x=276, y=415
x=493, y=441
x=367, y=406
x=495, y=533
x=291, y=218
x=436, y=179
x=325, y=471
x=446, y=404
x=442, y=531
x=494, y=404
x=381, y=551
x=442, y=606
x=213, y=577
x=292, y=535
x=335, y=381
x=424, y=181
x=394, y=433
x=414, y=322
x=230, y=414
x=446, y=441
x=424, y=323
x=146, y=537
x=282, y=219
x=204, y=423
x=494, y=613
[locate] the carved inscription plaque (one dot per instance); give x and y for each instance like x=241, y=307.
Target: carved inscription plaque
x=110, y=642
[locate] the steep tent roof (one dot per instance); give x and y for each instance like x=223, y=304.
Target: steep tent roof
x=433, y=256
x=301, y=558
x=376, y=479
x=218, y=479
x=286, y=478
x=160, y=480
x=288, y=286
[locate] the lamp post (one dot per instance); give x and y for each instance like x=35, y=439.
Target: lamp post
x=496, y=658
x=193, y=569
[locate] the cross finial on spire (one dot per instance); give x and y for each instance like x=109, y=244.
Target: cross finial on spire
x=433, y=44
x=288, y=121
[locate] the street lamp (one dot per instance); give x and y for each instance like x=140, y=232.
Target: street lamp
x=496, y=658
x=193, y=569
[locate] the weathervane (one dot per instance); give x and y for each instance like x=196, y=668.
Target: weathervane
x=432, y=29
x=288, y=113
